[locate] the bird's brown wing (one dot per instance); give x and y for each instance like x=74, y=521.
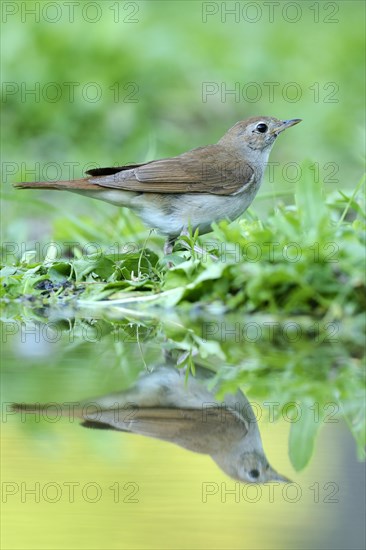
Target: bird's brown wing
x=212, y=169
x=204, y=430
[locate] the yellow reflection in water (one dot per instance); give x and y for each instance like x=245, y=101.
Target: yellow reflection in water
x=114, y=490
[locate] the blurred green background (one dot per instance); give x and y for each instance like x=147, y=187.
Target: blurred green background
x=118, y=82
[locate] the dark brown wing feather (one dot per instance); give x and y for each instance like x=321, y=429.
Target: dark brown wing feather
x=109, y=170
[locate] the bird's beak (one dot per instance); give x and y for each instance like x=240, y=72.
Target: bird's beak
x=275, y=476
x=284, y=124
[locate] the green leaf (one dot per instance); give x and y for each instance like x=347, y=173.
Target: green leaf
x=302, y=436
x=100, y=265
x=60, y=271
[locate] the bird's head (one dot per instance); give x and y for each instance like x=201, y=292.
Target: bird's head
x=249, y=467
x=257, y=133
x=253, y=467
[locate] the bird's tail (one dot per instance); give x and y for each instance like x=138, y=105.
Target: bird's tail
x=83, y=184
x=92, y=414
x=49, y=410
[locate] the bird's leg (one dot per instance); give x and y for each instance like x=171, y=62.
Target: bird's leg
x=168, y=356
x=169, y=245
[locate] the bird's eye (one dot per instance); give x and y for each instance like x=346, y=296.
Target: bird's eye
x=254, y=474
x=262, y=128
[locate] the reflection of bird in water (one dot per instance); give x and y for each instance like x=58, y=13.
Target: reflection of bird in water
x=162, y=404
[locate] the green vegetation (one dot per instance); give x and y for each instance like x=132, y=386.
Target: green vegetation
x=306, y=258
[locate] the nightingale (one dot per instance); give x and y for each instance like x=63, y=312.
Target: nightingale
x=166, y=404
x=194, y=189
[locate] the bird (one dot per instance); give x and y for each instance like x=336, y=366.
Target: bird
x=167, y=404
x=189, y=191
